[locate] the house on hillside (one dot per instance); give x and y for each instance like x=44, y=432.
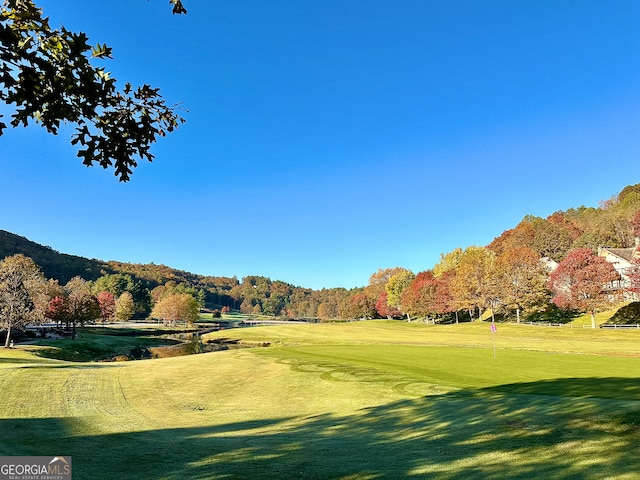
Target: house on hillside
x=622, y=260
x=549, y=264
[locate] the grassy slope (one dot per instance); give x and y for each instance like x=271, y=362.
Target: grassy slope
x=366, y=400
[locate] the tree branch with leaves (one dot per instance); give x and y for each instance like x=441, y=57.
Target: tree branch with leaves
x=46, y=76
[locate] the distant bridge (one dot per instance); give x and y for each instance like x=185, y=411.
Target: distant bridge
x=271, y=322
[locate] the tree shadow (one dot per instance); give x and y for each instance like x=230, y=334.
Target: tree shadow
x=627, y=315
x=596, y=387
x=552, y=314
x=565, y=428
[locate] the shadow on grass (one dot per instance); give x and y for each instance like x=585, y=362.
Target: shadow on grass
x=627, y=315
x=70, y=366
x=602, y=387
x=549, y=429
x=553, y=314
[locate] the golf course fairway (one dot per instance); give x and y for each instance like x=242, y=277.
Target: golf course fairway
x=352, y=401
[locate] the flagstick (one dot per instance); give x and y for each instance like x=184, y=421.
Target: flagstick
x=493, y=337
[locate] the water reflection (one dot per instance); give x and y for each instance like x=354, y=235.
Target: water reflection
x=190, y=344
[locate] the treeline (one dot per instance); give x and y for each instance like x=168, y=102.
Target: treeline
x=511, y=275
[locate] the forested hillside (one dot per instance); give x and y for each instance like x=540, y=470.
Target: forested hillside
x=612, y=224
x=63, y=267
x=54, y=264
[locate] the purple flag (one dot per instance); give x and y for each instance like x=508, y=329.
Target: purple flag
x=493, y=327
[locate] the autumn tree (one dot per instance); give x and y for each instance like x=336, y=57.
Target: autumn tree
x=252, y=293
x=592, y=240
x=327, y=311
x=177, y=307
x=610, y=225
x=82, y=304
x=419, y=298
x=552, y=239
x=279, y=298
x=302, y=303
x=260, y=295
x=58, y=310
x=21, y=294
x=47, y=76
x=634, y=223
x=428, y=296
x=560, y=218
x=384, y=309
x=329, y=302
x=448, y=262
x=125, y=307
x=395, y=286
x=523, y=235
x=521, y=280
x=621, y=215
x=471, y=288
x=358, y=305
x=107, y=304
x=118, y=283
x=379, y=279
x=444, y=301
x=633, y=276
x=16, y=306
x=580, y=282
x=171, y=287
x=446, y=270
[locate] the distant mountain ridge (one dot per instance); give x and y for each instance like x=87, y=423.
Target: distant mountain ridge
x=54, y=264
x=64, y=267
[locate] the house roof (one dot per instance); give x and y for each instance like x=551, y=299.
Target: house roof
x=624, y=253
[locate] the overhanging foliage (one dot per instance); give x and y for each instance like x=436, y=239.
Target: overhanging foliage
x=46, y=76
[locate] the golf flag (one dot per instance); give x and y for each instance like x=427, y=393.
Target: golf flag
x=493, y=337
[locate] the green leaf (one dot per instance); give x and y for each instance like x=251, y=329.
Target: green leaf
x=101, y=51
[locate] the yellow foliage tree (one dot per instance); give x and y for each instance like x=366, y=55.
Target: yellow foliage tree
x=177, y=307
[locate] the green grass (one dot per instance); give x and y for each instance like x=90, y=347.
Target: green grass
x=565, y=339
x=361, y=400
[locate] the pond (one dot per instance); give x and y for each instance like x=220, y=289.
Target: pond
x=190, y=344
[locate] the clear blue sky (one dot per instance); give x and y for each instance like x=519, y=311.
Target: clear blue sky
x=328, y=138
